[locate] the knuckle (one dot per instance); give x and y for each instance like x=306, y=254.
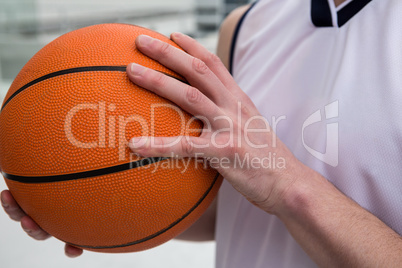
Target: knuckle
x=187, y=146
x=15, y=217
x=212, y=59
x=15, y=213
x=245, y=111
x=200, y=66
x=193, y=95
x=42, y=235
x=160, y=147
x=230, y=151
x=36, y=234
x=240, y=151
x=164, y=49
x=235, y=151
x=158, y=80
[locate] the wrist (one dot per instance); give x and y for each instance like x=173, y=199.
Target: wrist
x=300, y=193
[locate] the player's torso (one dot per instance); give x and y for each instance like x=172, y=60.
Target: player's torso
x=333, y=95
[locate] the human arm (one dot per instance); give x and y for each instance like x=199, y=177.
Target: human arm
x=332, y=229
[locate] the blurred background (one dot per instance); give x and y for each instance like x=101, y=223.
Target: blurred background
x=25, y=27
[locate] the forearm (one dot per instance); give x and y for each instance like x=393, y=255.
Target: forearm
x=334, y=230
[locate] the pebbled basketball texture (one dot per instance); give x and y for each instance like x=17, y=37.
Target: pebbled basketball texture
x=64, y=128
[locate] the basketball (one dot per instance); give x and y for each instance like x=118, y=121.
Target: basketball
x=65, y=124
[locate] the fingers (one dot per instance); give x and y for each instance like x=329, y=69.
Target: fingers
x=213, y=62
x=28, y=225
x=11, y=207
x=16, y=213
x=72, y=251
x=32, y=229
x=193, y=69
x=183, y=146
x=187, y=97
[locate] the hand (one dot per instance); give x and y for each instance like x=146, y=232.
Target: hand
x=329, y=226
x=28, y=225
x=236, y=139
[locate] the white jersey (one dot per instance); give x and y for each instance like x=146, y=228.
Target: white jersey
x=330, y=81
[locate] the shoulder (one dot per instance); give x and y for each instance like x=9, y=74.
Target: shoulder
x=227, y=31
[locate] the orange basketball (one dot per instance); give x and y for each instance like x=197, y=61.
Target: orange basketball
x=64, y=129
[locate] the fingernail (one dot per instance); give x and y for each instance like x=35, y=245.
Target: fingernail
x=27, y=230
x=136, y=69
x=176, y=35
x=144, y=40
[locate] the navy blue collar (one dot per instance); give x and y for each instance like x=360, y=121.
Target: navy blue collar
x=321, y=12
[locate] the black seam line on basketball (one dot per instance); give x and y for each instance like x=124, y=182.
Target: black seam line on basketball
x=84, y=174
x=74, y=70
x=161, y=231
